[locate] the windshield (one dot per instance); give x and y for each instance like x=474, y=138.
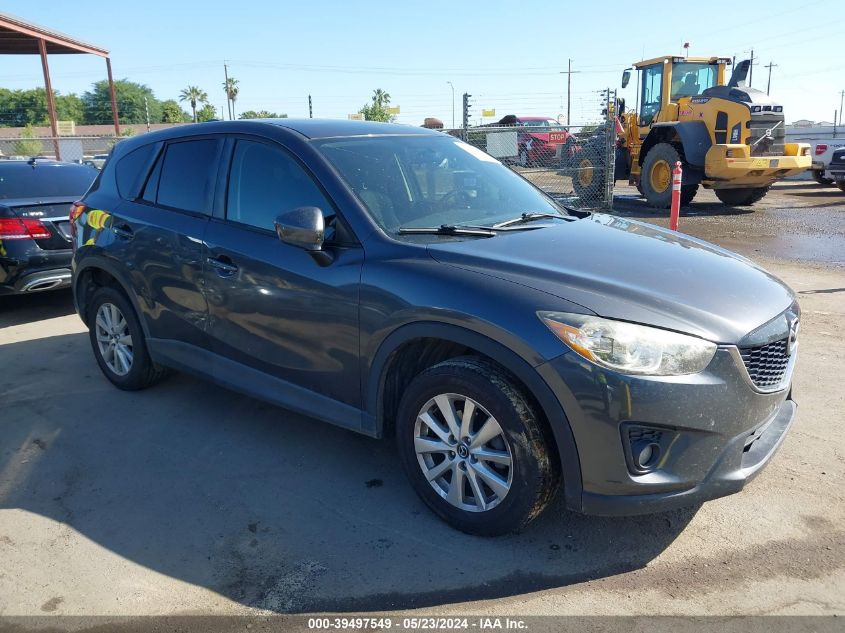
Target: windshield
x=690, y=80
x=44, y=181
x=425, y=181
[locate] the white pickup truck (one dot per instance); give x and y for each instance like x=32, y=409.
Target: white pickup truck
x=822, y=153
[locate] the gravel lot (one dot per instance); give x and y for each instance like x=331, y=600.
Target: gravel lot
x=190, y=499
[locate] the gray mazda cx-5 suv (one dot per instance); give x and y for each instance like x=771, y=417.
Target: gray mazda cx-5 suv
x=396, y=281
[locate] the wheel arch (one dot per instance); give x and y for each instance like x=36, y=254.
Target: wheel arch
x=692, y=136
x=93, y=274
x=428, y=343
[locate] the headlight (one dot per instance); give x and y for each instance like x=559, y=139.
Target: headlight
x=629, y=348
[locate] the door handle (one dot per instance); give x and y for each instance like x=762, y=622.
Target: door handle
x=124, y=231
x=223, y=264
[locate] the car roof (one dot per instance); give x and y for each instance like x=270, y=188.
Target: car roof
x=29, y=163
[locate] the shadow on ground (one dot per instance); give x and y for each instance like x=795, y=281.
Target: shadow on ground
x=632, y=206
x=37, y=306
x=273, y=510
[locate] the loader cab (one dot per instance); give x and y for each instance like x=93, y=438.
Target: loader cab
x=665, y=81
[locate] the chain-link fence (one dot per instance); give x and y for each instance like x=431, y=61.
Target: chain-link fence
x=76, y=149
x=572, y=163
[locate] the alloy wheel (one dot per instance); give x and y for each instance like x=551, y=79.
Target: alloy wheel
x=463, y=452
x=113, y=339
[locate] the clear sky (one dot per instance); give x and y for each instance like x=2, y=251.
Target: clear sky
x=508, y=55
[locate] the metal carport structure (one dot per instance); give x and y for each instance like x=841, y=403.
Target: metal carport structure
x=18, y=37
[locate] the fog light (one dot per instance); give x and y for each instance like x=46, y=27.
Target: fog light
x=646, y=454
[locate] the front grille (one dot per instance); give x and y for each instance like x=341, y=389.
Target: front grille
x=766, y=364
x=768, y=146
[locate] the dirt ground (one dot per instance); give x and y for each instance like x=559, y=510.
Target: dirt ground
x=189, y=499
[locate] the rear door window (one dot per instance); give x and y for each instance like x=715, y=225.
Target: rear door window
x=187, y=175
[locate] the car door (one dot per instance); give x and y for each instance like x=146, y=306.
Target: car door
x=272, y=307
x=159, y=232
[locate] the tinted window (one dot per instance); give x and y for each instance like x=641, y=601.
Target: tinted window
x=265, y=181
x=187, y=175
x=19, y=179
x=131, y=170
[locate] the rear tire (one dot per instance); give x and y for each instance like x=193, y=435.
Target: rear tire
x=118, y=342
x=841, y=185
x=818, y=176
x=505, y=472
x=588, y=174
x=741, y=197
x=656, y=175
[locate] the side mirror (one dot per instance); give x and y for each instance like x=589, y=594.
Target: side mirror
x=626, y=77
x=304, y=228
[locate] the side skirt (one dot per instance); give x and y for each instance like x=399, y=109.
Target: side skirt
x=247, y=380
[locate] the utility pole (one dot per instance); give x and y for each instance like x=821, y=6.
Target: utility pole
x=228, y=101
x=310, y=109
x=568, y=74
x=841, y=103
x=770, y=65
x=147, y=113
x=751, y=67
x=453, y=103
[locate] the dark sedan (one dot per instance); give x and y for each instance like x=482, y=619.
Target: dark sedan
x=35, y=199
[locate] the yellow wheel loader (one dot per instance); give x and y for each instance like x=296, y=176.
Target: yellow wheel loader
x=729, y=137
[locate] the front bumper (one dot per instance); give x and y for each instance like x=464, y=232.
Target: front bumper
x=717, y=431
x=733, y=164
x=738, y=464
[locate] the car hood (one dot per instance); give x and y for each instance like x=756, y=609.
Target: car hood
x=633, y=271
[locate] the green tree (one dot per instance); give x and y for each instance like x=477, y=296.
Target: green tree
x=193, y=95
x=172, y=112
x=261, y=114
x=28, y=145
x=377, y=110
x=23, y=107
x=69, y=108
x=130, y=103
x=207, y=113
x=230, y=87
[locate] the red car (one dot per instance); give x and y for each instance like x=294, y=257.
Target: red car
x=539, y=140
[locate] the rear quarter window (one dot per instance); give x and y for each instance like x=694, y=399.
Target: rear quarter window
x=131, y=171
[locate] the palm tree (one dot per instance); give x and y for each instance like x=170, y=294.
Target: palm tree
x=380, y=97
x=195, y=95
x=230, y=87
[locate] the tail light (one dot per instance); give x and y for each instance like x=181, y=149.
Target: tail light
x=76, y=209
x=821, y=148
x=23, y=229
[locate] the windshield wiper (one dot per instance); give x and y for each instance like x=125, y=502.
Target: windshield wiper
x=530, y=217
x=447, y=229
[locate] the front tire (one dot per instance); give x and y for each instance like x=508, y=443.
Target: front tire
x=656, y=175
x=474, y=447
x=741, y=197
x=118, y=342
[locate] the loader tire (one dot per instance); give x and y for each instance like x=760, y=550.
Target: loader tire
x=741, y=197
x=656, y=176
x=687, y=194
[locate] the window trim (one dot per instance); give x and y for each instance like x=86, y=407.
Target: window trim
x=162, y=154
x=225, y=180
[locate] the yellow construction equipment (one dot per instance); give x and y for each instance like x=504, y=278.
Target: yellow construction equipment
x=729, y=137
